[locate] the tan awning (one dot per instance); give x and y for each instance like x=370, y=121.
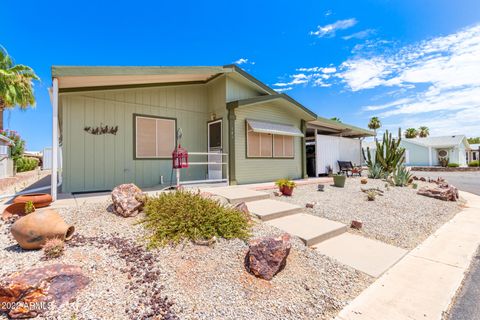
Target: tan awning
x=274, y=128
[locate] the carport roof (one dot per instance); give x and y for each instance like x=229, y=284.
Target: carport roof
x=340, y=128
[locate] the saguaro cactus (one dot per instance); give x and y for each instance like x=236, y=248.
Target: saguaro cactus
x=389, y=155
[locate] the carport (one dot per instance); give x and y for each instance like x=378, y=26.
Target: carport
x=329, y=141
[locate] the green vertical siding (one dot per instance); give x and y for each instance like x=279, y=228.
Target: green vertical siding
x=238, y=91
x=100, y=162
x=261, y=170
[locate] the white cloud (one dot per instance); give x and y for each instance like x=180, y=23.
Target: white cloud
x=296, y=79
x=328, y=13
x=360, y=35
x=445, y=73
x=243, y=61
x=280, y=90
x=330, y=29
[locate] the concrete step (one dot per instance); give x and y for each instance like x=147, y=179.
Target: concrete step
x=268, y=209
x=309, y=228
x=236, y=195
x=369, y=256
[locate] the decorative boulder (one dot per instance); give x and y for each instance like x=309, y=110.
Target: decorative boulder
x=267, y=256
x=364, y=181
x=356, y=224
x=34, y=229
x=310, y=205
x=30, y=293
x=443, y=192
x=128, y=200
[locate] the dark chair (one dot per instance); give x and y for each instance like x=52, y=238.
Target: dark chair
x=348, y=168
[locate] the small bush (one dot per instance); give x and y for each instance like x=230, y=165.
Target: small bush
x=401, y=177
x=29, y=207
x=375, y=171
x=474, y=163
x=26, y=164
x=371, y=195
x=453, y=165
x=181, y=215
x=53, y=248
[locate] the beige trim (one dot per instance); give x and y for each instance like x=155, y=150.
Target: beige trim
x=117, y=80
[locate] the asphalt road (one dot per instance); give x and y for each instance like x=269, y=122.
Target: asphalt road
x=466, y=181
x=467, y=303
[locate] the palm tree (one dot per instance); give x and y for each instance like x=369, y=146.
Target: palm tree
x=423, y=132
x=411, y=133
x=374, y=124
x=16, y=86
x=336, y=119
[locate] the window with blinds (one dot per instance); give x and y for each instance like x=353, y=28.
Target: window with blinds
x=266, y=145
x=154, y=137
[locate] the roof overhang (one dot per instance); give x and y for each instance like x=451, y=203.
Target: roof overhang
x=278, y=98
x=335, y=127
x=84, y=77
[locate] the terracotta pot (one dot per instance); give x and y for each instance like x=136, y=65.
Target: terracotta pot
x=39, y=200
x=32, y=230
x=14, y=209
x=287, y=191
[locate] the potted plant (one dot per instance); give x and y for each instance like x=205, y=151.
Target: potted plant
x=285, y=186
x=18, y=209
x=339, y=180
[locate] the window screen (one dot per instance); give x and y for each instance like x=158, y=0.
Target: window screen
x=154, y=137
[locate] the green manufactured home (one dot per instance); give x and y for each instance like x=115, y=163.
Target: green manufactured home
x=115, y=125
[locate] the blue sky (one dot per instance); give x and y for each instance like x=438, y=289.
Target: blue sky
x=409, y=62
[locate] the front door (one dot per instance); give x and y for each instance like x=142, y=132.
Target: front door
x=215, y=150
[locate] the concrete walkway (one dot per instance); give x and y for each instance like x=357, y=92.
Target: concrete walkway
x=423, y=283
x=328, y=237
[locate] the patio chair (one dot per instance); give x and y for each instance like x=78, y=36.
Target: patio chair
x=348, y=168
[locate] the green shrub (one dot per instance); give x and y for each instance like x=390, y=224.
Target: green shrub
x=474, y=163
x=453, y=165
x=401, y=177
x=181, y=215
x=375, y=171
x=29, y=207
x=26, y=164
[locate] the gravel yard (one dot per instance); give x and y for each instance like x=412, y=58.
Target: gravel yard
x=400, y=217
x=202, y=282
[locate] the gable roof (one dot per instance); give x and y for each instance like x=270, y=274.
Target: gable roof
x=270, y=98
x=440, y=141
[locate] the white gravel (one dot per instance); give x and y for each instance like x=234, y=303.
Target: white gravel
x=400, y=217
x=203, y=282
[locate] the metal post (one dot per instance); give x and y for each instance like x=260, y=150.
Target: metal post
x=54, y=140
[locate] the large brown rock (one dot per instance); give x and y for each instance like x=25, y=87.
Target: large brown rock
x=30, y=293
x=128, y=200
x=267, y=256
x=443, y=191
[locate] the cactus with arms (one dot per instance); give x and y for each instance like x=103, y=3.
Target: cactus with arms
x=389, y=155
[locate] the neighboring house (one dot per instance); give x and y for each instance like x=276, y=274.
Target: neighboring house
x=329, y=141
x=474, y=153
x=119, y=124
x=6, y=162
x=428, y=151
